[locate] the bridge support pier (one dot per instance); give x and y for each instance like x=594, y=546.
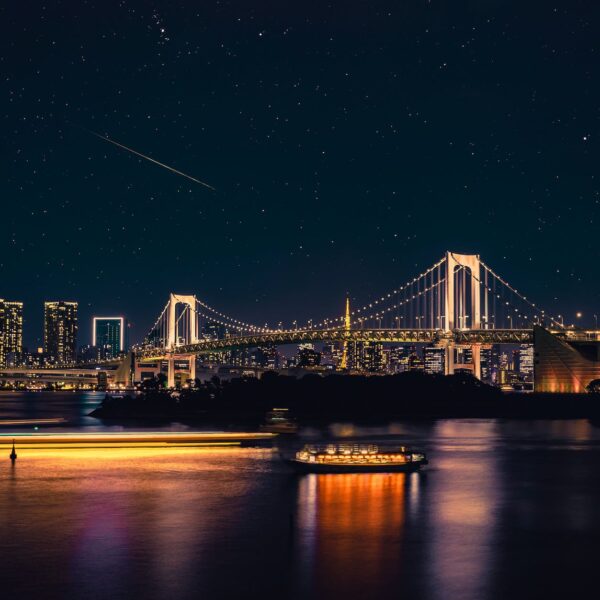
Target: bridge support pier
x=171, y=371
x=476, y=351
x=192, y=362
x=191, y=358
x=474, y=366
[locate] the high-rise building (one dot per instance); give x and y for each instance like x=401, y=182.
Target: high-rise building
x=266, y=356
x=109, y=334
x=60, y=331
x=415, y=362
x=371, y=357
x=331, y=355
x=308, y=356
x=434, y=358
x=241, y=357
x=463, y=355
x=213, y=330
x=485, y=359
x=89, y=354
x=398, y=359
x=11, y=331
x=526, y=361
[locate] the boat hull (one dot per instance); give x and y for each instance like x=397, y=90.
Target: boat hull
x=305, y=467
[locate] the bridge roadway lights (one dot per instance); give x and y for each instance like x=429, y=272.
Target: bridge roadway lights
x=393, y=336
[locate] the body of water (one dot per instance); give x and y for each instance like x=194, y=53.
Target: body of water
x=506, y=509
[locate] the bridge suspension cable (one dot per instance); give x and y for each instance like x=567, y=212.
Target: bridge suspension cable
x=230, y=320
x=381, y=300
x=540, y=312
x=457, y=292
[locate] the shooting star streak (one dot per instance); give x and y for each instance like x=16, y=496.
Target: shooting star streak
x=107, y=139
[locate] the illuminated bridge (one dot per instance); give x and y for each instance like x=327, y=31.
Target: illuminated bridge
x=302, y=336
x=458, y=301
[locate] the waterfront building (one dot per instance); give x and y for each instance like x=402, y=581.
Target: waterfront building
x=308, y=356
x=398, y=359
x=37, y=359
x=91, y=354
x=485, y=360
x=110, y=335
x=60, y=331
x=88, y=354
x=415, y=362
x=241, y=357
x=565, y=366
x=434, y=359
x=371, y=357
x=11, y=332
x=526, y=361
x=463, y=355
x=331, y=355
x=266, y=356
x=217, y=358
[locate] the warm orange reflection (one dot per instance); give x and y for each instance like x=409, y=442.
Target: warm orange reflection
x=128, y=439
x=352, y=529
x=94, y=522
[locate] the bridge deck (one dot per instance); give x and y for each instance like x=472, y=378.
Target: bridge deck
x=392, y=336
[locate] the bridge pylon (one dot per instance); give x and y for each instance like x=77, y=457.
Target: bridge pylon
x=191, y=336
x=460, y=303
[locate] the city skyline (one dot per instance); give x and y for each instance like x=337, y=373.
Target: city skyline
x=571, y=318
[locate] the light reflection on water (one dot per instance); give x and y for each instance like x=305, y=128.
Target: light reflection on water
x=503, y=507
x=350, y=529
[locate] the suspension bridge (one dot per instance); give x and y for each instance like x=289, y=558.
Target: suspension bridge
x=459, y=300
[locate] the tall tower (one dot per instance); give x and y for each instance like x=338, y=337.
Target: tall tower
x=190, y=324
x=462, y=304
x=109, y=334
x=344, y=362
x=60, y=331
x=11, y=331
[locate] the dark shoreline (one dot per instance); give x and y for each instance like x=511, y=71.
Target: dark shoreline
x=320, y=400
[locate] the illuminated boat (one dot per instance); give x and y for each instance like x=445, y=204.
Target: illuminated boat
x=355, y=458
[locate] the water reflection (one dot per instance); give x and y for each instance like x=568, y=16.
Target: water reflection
x=503, y=508
x=462, y=511
x=350, y=531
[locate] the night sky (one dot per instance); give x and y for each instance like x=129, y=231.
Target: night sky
x=350, y=144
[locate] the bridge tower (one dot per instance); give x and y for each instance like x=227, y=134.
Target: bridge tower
x=462, y=304
x=458, y=300
x=191, y=335
x=190, y=332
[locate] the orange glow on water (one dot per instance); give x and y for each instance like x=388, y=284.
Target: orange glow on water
x=105, y=441
x=353, y=518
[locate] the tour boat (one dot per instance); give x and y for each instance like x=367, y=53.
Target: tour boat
x=355, y=458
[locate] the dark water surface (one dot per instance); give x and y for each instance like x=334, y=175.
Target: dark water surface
x=507, y=509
